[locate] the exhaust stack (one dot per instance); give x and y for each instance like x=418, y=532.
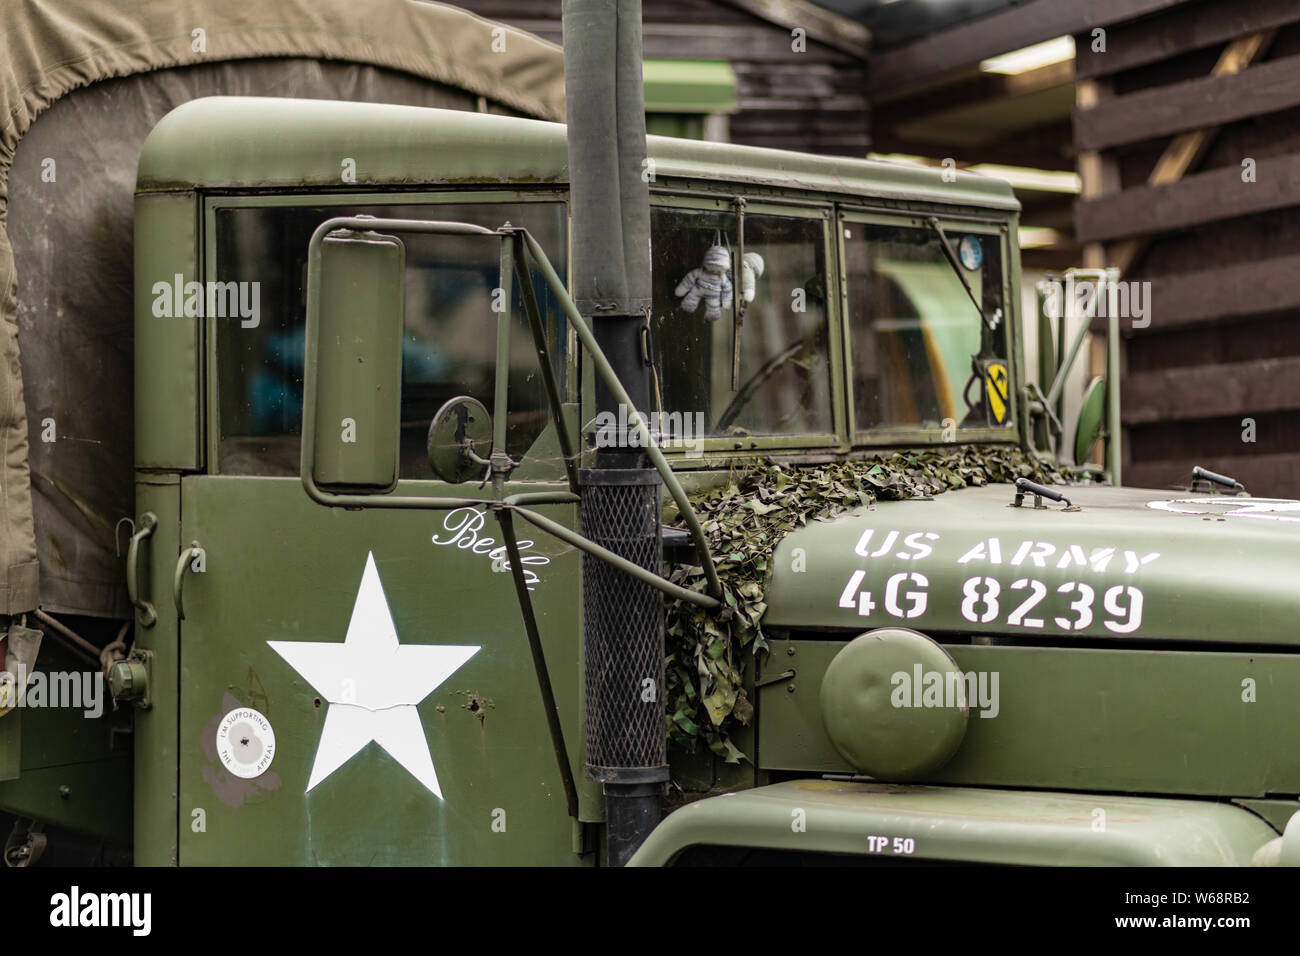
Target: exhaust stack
x=623, y=629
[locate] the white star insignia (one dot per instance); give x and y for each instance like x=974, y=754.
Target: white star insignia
x=372, y=684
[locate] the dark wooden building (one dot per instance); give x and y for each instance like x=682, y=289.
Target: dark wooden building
x=802, y=90
x=1188, y=132
x=1182, y=118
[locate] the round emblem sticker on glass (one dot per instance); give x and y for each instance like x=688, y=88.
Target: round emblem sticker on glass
x=970, y=252
x=245, y=742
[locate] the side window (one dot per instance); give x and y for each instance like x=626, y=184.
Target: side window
x=449, y=346
x=922, y=356
x=783, y=383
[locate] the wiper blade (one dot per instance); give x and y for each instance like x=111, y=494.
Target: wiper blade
x=951, y=256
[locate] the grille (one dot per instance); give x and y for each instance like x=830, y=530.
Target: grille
x=623, y=629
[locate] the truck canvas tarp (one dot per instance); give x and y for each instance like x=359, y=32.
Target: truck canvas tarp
x=82, y=84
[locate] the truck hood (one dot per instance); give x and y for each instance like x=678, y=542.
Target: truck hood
x=1129, y=564
x=961, y=824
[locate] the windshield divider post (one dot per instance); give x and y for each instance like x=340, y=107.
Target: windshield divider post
x=738, y=291
x=606, y=371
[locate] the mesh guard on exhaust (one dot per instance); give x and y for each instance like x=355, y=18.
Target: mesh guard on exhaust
x=623, y=628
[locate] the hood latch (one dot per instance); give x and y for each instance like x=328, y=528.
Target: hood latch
x=1024, y=486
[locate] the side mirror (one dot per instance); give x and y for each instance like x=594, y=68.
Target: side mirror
x=460, y=440
x=353, y=374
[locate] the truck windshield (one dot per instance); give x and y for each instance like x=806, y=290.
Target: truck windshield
x=782, y=385
x=922, y=357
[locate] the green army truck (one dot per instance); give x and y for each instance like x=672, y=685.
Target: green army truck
x=901, y=628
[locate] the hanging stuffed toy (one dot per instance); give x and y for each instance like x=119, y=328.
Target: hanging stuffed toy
x=751, y=269
x=709, y=284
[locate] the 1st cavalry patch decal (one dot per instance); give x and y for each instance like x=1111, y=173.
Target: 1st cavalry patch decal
x=996, y=392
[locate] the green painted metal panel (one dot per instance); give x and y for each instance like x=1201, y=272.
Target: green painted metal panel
x=1080, y=719
x=75, y=766
x=1129, y=564
x=963, y=825
x=302, y=143
x=156, y=729
x=279, y=567
x=690, y=86
x=91, y=798
x=167, y=382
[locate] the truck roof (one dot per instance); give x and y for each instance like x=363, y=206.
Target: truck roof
x=227, y=142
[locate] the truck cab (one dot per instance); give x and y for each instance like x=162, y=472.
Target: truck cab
x=350, y=659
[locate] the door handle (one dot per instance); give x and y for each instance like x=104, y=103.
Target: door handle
x=137, y=570
x=178, y=578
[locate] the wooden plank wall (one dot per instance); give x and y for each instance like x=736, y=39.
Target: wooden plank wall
x=814, y=101
x=1222, y=254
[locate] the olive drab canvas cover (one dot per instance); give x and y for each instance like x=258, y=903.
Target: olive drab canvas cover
x=82, y=82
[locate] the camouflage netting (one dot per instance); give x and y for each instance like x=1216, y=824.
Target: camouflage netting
x=81, y=84
x=744, y=521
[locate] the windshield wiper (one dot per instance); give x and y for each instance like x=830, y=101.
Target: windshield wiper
x=951, y=256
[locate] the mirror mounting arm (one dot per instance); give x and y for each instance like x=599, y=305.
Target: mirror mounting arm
x=606, y=371
x=502, y=465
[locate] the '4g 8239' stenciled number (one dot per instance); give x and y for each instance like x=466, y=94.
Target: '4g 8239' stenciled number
x=1082, y=607
x=980, y=599
x=1132, y=615
x=1122, y=602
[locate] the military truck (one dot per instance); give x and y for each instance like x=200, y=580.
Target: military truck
x=359, y=575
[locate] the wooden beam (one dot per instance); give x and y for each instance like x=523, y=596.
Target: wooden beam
x=1043, y=147
x=1186, y=150
x=805, y=104
x=822, y=25
x=1098, y=174
x=1195, y=27
x=1097, y=179
x=1196, y=200
x=1013, y=28
x=1265, y=476
x=1212, y=391
x=1044, y=210
x=977, y=89
x=1230, y=93
x=1248, y=288
x=1050, y=258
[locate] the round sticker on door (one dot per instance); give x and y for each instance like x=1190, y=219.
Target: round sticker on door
x=245, y=742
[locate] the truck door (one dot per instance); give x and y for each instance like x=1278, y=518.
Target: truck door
x=356, y=686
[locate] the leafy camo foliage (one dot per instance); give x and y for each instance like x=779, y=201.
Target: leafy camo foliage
x=743, y=521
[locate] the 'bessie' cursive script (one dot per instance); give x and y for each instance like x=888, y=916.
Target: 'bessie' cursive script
x=464, y=525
